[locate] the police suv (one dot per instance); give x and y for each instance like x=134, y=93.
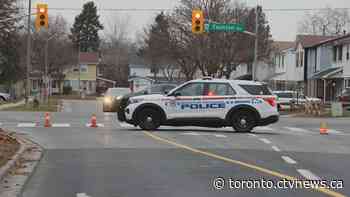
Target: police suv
x=206, y=102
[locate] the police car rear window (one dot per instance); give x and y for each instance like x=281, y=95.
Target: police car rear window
x=256, y=89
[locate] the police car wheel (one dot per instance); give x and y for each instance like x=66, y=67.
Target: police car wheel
x=149, y=119
x=243, y=121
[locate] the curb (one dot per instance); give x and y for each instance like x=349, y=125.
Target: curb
x=10, y=164
x=35, y=167
x=25, y=144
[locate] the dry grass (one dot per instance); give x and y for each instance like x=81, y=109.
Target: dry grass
x=8, y=147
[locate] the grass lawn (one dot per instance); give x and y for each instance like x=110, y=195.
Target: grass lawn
x=51, y=106
x=74, y=97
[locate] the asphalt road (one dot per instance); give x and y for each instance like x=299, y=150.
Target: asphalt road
x=117, y=160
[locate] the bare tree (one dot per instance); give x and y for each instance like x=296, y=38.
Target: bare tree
x=327, y=21
x=117, y=49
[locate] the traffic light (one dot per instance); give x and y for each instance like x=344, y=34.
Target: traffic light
x=42, y=17
x=197, y=21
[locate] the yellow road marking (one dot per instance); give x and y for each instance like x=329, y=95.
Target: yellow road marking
x=251, y=166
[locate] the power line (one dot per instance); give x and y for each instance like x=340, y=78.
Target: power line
x=170, y=9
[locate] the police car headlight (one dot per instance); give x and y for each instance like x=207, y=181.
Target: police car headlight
x=119, y=97
x=108, y=100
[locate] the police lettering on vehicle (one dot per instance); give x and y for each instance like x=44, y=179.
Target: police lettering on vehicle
x=214, y=105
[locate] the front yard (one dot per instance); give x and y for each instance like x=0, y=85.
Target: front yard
x=51, y=106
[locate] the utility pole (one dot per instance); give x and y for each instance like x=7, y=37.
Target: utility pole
x=46, y=80
x=79, y=67
x=255, y=63
x=28, y=61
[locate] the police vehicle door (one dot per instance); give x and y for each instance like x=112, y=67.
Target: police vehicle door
x=186, y=101
x=217, y=100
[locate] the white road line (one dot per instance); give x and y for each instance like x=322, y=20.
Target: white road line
x=334, y=131
x=220, y=136
x=308, y=175
x=26, y=125
x=98, y=125
x=82, y=195
x=275, y=148
x=289, y=160
x=61, y=125
x=191, y=133
x=263, y=129
x=299, y=130
x=125, y=125
x=253, y=135
x=266, y=141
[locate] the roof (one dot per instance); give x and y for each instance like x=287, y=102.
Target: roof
x=327, y=73
x=345, y=38
x=283, y=45
x=310, y=40
x=89, y=57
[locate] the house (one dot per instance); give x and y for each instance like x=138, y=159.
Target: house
x=141, y=76
x=288, y=75
x=84, y=76
x=244, y=71
x=328, y=67
x=303, y=42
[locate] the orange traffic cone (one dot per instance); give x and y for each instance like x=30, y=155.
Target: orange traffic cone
x=93, y=123
x=47, y=120
x=323, y=128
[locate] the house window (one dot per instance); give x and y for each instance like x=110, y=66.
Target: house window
x=279, y=61
x=335, y=54
x=83, y=68
x=297, y=59
x=340, y=54
x=282, y=61
x=301, y=59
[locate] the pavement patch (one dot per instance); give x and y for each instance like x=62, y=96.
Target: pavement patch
x=240, y=163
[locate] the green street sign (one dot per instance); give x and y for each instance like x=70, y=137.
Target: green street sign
x=224, y=27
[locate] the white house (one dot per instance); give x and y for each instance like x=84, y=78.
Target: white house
x=288, y=67
x=328, y=67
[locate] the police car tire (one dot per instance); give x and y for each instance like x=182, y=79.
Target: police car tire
x=145, y=124
x=248, y=116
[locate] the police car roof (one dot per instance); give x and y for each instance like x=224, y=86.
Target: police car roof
x=239, y=82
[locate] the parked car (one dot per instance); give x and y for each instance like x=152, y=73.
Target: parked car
x=285, y=98
x=152, y=89
x=344, y=96
x=111, y=96
x=4, y=97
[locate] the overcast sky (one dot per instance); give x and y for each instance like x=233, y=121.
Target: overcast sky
x=283, y=24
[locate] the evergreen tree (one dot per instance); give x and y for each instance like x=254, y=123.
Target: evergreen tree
x=9, y=44
x=86, y=27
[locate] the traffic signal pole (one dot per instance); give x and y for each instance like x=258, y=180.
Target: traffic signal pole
x=27, y=89
x=255, y=63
